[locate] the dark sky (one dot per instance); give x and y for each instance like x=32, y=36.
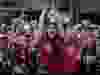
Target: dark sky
x=90, y=4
